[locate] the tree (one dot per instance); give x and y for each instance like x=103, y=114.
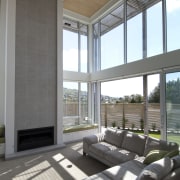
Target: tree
x=173, y=91
x=154, y=96
x=135, y=98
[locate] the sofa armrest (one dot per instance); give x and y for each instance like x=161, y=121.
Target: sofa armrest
x=92, y=139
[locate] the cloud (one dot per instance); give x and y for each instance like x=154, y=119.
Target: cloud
x=173, y=5
x=70, y=60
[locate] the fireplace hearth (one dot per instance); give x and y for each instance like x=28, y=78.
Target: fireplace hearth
x=34, y=138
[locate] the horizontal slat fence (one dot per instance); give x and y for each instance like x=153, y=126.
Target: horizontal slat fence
x=133, y=114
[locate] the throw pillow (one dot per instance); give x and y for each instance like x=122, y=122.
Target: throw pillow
x=156, y=170
x=154, y=155
x=172, y=153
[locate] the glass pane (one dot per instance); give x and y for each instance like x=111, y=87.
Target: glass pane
x=84, y=103
x=154, y=30
x=71, y=104
x=121, y=103
x=153, y=110
x=173, y=106
x=134, y=38
x=112, y=48
x=70, y=51
x=83, y=53
x=173, y=24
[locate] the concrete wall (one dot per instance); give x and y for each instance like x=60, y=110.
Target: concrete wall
x=36, y=64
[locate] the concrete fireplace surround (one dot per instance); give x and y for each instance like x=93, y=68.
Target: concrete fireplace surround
x=35, y=65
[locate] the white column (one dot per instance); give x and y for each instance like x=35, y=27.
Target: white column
x=145, y=92
x=98, y=103
x=9, y=6
x=90, y=69
x=163, y=105
x=59, y=72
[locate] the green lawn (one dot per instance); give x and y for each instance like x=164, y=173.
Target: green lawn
x=155, y=135
x=174, y=138
x=171, y=137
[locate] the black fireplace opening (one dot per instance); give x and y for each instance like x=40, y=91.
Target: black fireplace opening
x=34, y=138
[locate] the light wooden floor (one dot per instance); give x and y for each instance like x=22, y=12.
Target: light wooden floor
x=66, y=163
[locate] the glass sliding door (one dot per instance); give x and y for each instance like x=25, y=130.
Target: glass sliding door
x=173, y=106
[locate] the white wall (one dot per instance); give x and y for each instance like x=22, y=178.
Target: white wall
x=7, y=69
x=59, y=134
x=2, y=63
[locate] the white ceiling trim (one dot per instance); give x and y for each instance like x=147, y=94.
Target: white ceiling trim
x=76, y=16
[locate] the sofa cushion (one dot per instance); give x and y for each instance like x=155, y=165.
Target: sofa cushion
x=129, y=170
x=153, y=143
x=154, y=155
x=176, y=161
x=101, y=148
x=134, y=143
x=119, y=156
x=173, y=175
x=156, y=170
x=114, y=136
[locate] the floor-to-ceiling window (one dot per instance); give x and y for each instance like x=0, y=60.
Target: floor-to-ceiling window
x=123, y=36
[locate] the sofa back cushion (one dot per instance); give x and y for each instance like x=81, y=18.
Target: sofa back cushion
x=156, y=144
x=114, y=136
x=134, y=142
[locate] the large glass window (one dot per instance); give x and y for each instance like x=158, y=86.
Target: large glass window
x=154, y=30
x=112, y=48
x=134, y=38
x=173, y=24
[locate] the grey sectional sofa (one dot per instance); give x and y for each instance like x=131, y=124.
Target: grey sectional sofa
x=132, y=156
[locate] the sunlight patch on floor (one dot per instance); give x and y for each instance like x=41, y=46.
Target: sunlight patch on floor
x=40, y=171
x=70, y=168
x=77, y=147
